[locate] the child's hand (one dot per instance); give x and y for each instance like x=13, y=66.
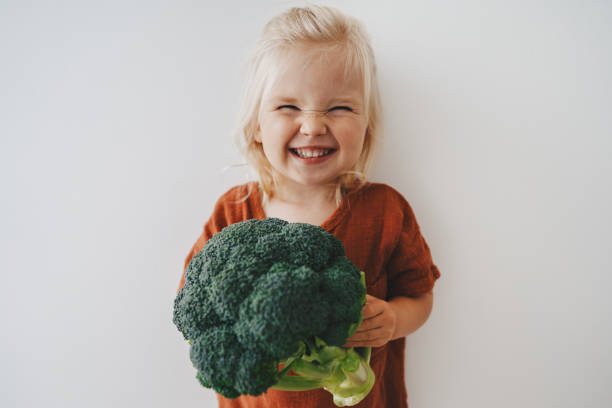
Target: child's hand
x=378, y=324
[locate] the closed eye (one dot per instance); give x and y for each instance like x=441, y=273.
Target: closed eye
x=293, y=107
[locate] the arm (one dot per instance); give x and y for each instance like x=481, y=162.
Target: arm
x=385, y=321
x=411, y=312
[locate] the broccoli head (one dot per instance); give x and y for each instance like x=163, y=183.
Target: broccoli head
x=264, y=297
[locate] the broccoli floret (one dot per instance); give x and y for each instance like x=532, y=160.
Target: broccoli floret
x=262, y=293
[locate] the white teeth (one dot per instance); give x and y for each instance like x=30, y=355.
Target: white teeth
x=308, y=153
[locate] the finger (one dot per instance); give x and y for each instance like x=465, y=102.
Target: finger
x=374, y=328
x=372, y=314
x=372, y=308
x=369, y=324
x=367, y=335
x=376, y=342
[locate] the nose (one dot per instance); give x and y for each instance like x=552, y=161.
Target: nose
x=313, y=123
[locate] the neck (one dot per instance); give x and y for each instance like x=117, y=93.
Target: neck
x=304, y=195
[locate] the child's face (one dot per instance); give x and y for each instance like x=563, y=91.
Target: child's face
x=312, y=110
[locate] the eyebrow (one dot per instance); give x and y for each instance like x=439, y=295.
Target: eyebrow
x=344, y=98
x=284, y=99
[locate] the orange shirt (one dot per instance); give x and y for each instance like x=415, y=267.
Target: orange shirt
x=381, y=237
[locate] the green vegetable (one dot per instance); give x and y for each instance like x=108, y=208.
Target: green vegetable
x=266, y=292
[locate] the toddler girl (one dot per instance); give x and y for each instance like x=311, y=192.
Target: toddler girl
x=310, y=118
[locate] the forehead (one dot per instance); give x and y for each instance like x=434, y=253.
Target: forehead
x=314, y=73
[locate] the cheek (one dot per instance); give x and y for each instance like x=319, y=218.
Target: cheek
x=278, y=131
x=353, y=136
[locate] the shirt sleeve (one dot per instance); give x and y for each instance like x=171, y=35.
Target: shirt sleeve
x=411, y=269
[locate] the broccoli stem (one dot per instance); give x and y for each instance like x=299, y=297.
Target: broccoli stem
x=288, y=363
x=307, y=369
x=345, y=373
x=355, y=387
x=297, y=383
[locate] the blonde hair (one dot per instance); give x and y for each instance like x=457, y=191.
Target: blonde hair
x=327, y=28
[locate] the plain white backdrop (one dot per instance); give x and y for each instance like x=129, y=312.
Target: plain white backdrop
x=115, y=121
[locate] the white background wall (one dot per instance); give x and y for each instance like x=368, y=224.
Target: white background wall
x=115, y=119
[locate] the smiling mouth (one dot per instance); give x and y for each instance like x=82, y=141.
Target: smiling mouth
x=311, y=153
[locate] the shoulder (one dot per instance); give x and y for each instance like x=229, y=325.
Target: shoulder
x=384, y=196
x=239, y=203
x=238, y=194
x=383, y=190
x=383, y=203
